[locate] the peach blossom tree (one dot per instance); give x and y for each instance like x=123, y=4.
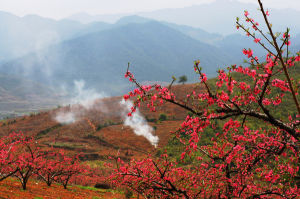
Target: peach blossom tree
x=242, y=160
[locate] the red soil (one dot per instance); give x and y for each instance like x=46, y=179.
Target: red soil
x=37, y=190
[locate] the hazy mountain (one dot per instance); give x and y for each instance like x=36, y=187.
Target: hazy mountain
x=295, y=43
x=219, y=16
x=196, y=33
x=235, y=44
x=38, y=33
x=21, y=35
x=295, y=40
x=92, y=27
x=155, y=51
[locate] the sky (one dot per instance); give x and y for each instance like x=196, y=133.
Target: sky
x=59, y=9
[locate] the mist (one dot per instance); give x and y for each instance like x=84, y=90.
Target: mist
x=82, y=100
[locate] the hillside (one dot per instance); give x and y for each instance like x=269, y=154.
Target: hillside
x=99, y=131
x=108, y=138
x=20, y=96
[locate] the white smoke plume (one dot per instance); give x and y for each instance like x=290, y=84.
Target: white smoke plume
x=138, y=123
x=65, y=117
x=85, y=97
x=82, y=100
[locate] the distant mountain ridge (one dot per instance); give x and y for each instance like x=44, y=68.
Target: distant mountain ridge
x=195, y=33
x=99, y=47
x=216, y=17
x=156, y=51
x=22, y=35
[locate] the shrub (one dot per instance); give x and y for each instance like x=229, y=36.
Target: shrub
x=102, y=186
x=162, y=117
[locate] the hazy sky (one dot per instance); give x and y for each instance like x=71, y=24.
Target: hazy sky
x=63, y=8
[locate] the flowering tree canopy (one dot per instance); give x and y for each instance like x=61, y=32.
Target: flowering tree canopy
x=21, y=157
x=242, y=160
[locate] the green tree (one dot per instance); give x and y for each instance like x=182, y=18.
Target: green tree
x=182, y=79
x=162, y=117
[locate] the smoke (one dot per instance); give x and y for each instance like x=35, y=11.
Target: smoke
x=138, y=123
x=82, y=100
x=39, y=51
x=85, y=100
x=85, y=97
x=44, y=53
x=65, y=117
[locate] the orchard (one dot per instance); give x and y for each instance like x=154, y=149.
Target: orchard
x=254, y=152
x=22, y=158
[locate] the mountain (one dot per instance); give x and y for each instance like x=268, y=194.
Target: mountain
x=295, y=43
x=91, y=28
x=156, y=52
x=38, y=33
x=219, y=16
x=235, y=43
x=195, y=33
